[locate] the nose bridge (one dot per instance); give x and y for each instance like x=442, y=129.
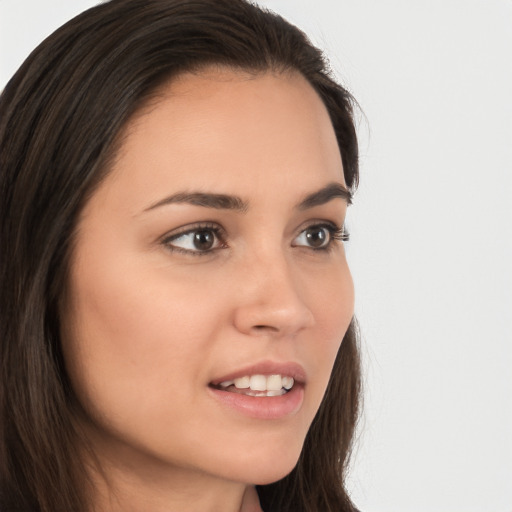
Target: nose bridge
x=272, y=300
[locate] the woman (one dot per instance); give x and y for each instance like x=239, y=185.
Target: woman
x=176, y=305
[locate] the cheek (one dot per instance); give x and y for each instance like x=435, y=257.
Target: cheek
x=339, y=310
x=332, y=300
x=132, y=334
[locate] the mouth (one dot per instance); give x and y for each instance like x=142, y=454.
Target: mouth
x=268, y=390
x=257, y=385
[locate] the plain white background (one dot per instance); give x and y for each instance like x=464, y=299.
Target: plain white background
x=431, y=227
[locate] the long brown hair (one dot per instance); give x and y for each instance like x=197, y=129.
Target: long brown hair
x=60, y=117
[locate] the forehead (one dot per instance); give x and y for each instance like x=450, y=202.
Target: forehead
x=222, y=129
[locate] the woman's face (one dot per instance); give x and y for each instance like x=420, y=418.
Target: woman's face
x=212, y=252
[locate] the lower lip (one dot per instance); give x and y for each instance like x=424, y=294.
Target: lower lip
x=262, y=407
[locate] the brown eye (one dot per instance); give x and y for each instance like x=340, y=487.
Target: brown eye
x=204, y=239
x=200, y=240
x=317, y=236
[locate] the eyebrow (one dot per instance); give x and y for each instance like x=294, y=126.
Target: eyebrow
x=207, y=200
x=326, y=194
x=228, y=202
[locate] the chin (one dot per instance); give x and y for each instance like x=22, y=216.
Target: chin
x=267, y=466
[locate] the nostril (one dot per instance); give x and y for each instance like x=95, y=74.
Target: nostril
x=265, y=328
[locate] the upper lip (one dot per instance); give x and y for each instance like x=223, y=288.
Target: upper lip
x=290, y=369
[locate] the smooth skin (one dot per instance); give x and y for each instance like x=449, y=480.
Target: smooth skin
x=164, y=296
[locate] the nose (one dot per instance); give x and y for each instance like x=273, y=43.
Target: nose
x=272, y=300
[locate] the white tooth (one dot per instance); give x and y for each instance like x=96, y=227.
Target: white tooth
x=258, y=383
x=226, y=383
x=242, y=382
x=274, y=382
x=287, y=382
x=278, y=392
x=250, y=392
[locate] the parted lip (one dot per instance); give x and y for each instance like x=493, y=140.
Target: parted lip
x=290, y=369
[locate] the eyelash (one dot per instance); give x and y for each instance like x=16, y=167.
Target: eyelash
x=336, y=234
x=214, y=228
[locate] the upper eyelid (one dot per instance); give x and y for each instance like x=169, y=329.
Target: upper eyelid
x=320, y=222
x=331, y=226
x=190, y=228
x=218, y=227
x=214, y=226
